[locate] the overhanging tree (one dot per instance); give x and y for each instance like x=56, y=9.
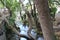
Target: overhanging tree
x=45, y=19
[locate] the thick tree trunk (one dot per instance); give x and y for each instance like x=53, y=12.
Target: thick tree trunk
x=45, y=20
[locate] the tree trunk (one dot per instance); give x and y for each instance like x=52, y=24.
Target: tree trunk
x=2, y=32
x=30, y=21
x=45, y=20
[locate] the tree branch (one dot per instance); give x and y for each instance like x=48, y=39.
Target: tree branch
x=30, y=25
x=14, y=30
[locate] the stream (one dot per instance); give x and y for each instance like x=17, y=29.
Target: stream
x=24, y=29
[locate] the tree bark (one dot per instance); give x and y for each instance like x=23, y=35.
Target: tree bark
x=45, y=20
x=2, y=31
x=30, y=21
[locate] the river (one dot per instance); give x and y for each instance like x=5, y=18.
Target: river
x=24, y=30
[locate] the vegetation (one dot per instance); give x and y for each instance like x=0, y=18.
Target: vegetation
x=36, y=14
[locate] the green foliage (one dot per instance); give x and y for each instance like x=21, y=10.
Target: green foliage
x=11, y=21
x=1, y=6
x=53, y=9
x=52, y=6
x=12, y=5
